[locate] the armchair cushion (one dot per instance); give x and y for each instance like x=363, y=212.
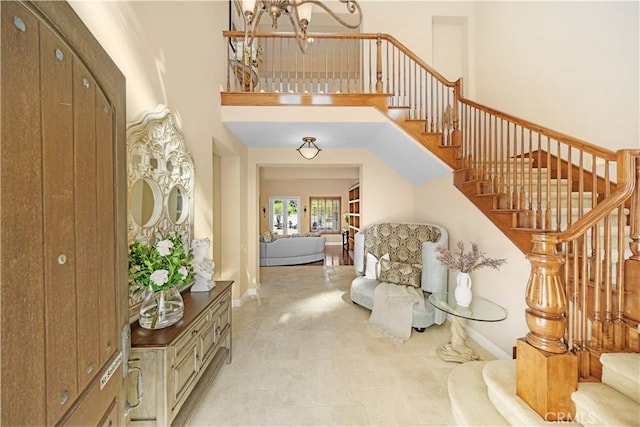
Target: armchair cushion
x=372, y=266
x=400, y=273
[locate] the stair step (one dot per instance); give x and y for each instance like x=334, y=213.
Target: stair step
x=500, y=378
x=470, y=403
x=621, y=371
x=554, y=214
x=597, y=404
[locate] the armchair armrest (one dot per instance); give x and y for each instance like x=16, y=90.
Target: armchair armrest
x=358, y=253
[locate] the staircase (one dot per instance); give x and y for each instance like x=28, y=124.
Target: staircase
x=483, y=394
x=572, y=207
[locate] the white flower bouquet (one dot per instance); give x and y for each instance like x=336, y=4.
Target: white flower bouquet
x=159, y=267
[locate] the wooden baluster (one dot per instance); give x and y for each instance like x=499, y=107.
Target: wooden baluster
x=596, y=279
x=577, y=257
x=456, y=137
x=387, y=51
x=379, y=64
x=570, y=186
x=228, y=68
x=607, y=266
x=519, y=172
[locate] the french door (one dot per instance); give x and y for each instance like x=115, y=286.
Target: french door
x=284, y=215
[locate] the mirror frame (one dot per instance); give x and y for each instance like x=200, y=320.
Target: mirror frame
x=155, y=136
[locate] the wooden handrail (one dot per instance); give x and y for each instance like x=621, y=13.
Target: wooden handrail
x=575, y=142
x=626, y=186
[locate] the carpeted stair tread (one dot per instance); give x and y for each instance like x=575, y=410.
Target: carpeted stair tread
x=500, y=378
x=468, y=394
x=597, y=404
x=621, y=371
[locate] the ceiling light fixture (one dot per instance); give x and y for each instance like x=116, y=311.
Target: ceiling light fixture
x=309, y=150
x=299, y=13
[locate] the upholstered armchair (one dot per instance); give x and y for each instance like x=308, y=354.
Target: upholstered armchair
x=403, y=253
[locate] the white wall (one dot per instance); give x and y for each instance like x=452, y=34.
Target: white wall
x=505, y=287
x=411, y=23
x=569, y=66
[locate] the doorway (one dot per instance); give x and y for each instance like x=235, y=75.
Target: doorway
x=284, y=215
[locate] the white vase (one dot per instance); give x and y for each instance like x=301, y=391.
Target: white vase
x=463, y=290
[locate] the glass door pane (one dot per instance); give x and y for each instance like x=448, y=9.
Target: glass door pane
x=284, y=215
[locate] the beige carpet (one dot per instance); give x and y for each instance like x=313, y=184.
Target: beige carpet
x=306, y=356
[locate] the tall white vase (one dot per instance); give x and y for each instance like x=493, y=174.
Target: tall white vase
x=463, y=290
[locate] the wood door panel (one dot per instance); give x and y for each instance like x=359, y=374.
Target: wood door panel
x=63, y=274
x=107, y=230
x=59, y=239
x=22, y=292
x=84, y=121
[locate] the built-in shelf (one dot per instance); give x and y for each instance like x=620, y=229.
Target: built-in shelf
x=354, y=212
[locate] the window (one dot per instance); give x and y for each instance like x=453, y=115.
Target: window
x=325, y=214
x=284, y=221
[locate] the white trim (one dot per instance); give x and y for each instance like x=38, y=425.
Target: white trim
x=251, y=292
x=333, y=244
x=486, y=344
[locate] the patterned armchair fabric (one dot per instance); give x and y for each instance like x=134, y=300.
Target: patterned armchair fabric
x=402, y=241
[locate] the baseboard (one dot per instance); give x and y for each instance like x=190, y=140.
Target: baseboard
x=251, y=292
x=486, y=344
x=333, y=244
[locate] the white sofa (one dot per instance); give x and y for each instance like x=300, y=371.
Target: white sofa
x=404, y=242
x=292, y=250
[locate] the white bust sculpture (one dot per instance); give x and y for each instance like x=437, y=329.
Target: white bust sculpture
x=203, y=267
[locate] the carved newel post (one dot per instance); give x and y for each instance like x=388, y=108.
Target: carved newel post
x=547, y=373
x=202, y=266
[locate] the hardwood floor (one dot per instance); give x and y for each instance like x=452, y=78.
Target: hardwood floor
x=335, y=255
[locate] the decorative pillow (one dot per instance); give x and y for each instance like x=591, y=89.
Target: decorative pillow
x=267, y=237
x=400, y=273
x=372, y=266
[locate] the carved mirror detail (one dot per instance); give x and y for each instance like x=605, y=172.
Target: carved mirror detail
x=160, y=181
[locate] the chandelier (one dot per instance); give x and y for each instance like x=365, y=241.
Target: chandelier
x=299, y=13
x=309, y=150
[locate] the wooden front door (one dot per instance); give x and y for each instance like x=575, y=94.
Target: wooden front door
x=63, y=233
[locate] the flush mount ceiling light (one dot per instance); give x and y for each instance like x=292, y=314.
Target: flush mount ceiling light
x=309, y=150
x=299, y=13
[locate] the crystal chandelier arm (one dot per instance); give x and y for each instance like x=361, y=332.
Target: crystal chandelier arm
x=352, y=7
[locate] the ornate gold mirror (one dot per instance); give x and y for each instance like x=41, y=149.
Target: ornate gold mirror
x=160, y=182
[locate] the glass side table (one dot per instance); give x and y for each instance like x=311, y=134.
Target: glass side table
x=480, y=309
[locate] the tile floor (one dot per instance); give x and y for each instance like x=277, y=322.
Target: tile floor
x=304, y=355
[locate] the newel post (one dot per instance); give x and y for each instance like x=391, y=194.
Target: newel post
x=546, y=373
x=379, y=63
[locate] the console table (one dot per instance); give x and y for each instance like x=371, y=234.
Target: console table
x=179, y=362
x=480, y=309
